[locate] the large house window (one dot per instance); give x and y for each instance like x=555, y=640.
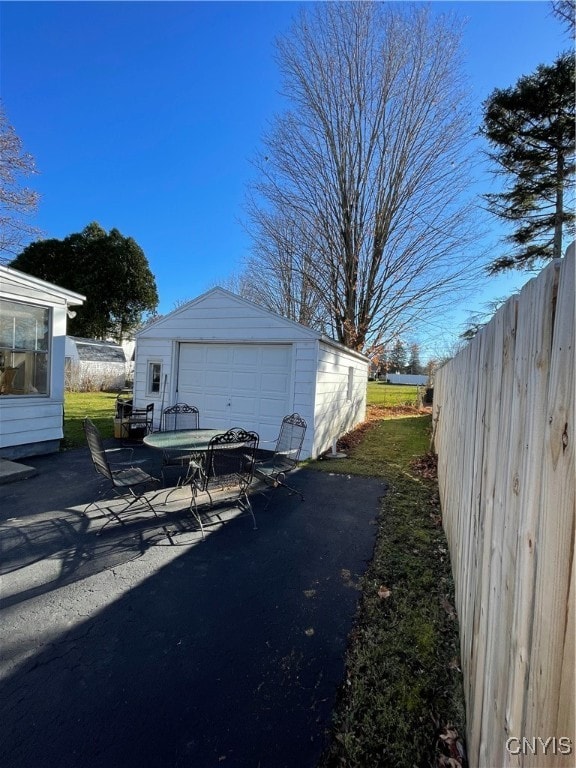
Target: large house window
x=24, y=348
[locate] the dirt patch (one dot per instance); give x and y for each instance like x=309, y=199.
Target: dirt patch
x=351, y=439
x=376, y=412
x=426, y=466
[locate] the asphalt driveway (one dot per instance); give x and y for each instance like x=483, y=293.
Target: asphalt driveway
x=134, y=648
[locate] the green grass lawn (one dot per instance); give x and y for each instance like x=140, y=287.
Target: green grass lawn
x=388, y=395
x=99, y=406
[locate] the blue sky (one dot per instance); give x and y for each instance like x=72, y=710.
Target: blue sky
x=144, y=116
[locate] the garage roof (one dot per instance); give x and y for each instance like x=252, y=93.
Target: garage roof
x=95, y=350
x=300, y=331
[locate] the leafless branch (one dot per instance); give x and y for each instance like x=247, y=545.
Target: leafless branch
x=17, y=203
x=360, y=208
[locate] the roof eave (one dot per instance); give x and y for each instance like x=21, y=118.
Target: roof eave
x=70, y=297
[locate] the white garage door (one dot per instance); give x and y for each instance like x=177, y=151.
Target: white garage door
x=237, y=385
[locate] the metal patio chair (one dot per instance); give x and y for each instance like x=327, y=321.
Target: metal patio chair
x=178, y=417
x=284, y=459
x=226, y=472
x=139, y=423
x=125, y=481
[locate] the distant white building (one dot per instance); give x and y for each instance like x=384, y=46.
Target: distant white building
x=92, y=365
x=407, y=378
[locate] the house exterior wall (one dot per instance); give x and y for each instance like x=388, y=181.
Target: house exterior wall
x=71, y=351
x=32, y=424
x=305, y=357
x=340, y=396
x=220, y=316
x=155, y=350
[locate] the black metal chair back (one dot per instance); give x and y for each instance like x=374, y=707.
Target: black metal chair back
x=230, y=460
x=228, y=467
x=140, y=422
x=273, y=470
x=97, y=452
x=179, y=417
x=127, y=482
x=289, y=443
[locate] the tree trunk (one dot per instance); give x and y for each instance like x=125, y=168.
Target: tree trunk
x=557, y=251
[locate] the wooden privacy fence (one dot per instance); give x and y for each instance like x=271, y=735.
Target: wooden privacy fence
x=504, y=435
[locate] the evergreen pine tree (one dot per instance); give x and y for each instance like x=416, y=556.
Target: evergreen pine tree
x=397, y=357
x=531, y=131
x=414, y=366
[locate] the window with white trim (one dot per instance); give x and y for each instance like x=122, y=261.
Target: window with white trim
x=24, y=348
x=154, y=378
x=350, y=391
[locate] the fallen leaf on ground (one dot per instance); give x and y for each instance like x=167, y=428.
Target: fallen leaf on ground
x=448, y=607
x=426, y=466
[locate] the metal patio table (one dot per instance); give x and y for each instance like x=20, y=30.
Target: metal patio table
x=183, y=441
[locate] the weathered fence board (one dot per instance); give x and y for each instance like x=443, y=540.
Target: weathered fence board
x=504, y=435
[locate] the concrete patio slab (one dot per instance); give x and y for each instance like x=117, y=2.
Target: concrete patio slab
x=144, y=646
x=11, y=471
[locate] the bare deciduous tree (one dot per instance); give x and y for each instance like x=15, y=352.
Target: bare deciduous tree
x=359, y=208
x=283, y=260
x=16, y=202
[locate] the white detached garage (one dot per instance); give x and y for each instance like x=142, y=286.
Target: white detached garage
x=244, y=366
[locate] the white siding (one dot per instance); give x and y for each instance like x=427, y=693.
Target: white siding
x=153, y=350
x=71, y=350
x=306, y=354
x=26, y=421
x=221, y=316
x=36, y=421
x=318, y=369
x=337, y=407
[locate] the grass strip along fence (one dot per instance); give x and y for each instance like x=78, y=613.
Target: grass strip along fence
x=402, y=702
